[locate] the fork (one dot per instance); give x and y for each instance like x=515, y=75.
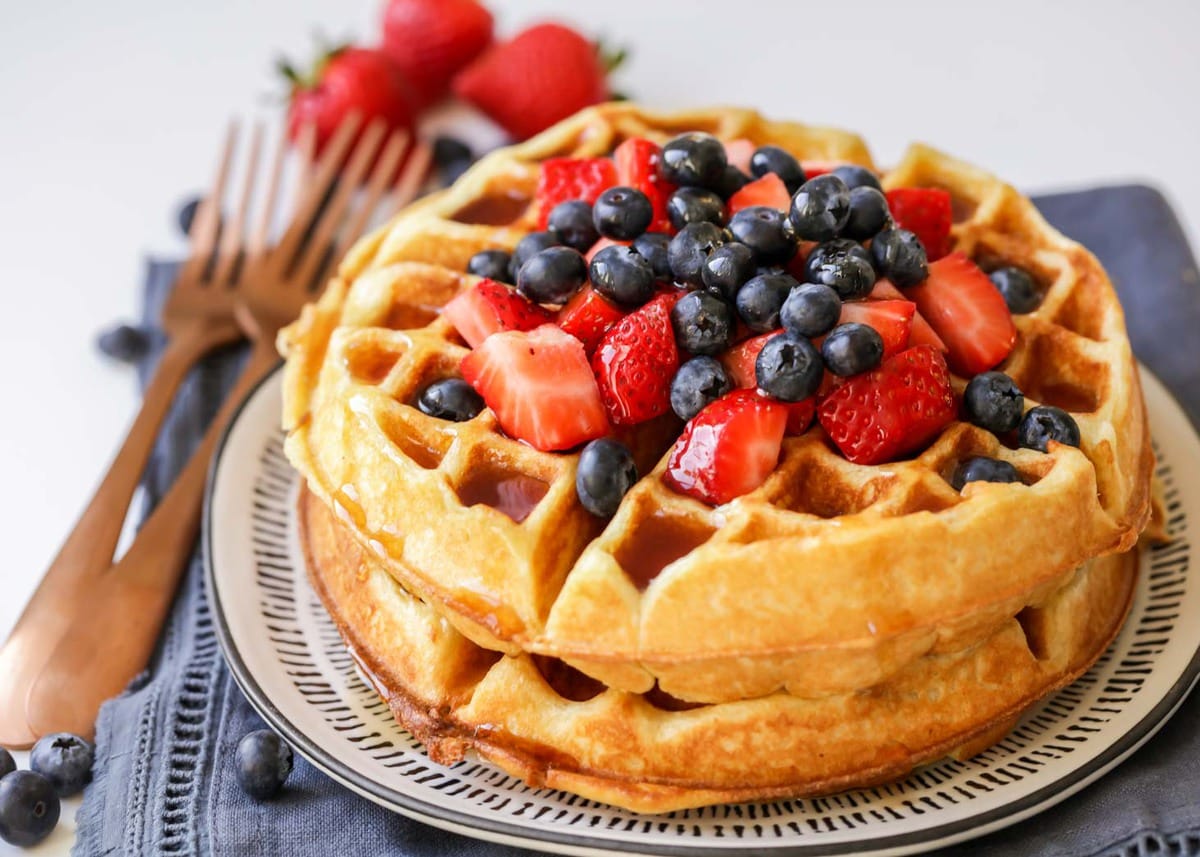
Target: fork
x=119, y=620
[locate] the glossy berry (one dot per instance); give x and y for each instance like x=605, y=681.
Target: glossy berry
x=811, y=310
x=552, y=276
x=699, y=382
x=898, y=255
x=732, y=180
x=1044, y=424
x=820, y=208
x=622, y=213
x=29, y=808
x=7, y=764
x=448, y=150
x=727, y=269
x=65, y=760
x=982, y=469
x=695, y=205
x=124, y=342
x=761, y=299
x=828, y=252
x=264, y=761
x=572, y=222
x=605, y=474
x=851, y=349
x=689, y=249
x=761, y=228
x=841, y=265
x=855, y=176
x=622, y=275
x=868, y=213
x=694, y=160
x=490, y=264
x=703, y=323
x=450, y=399
x=187, y=214
x=788, y=368
x=652, y=246
x=527, y=248
x=772, y=159
x=1020, y=291
x=993, y=401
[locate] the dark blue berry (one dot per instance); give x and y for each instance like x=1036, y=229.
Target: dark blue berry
x=699, y=382
x=527, y=248
x=264, y=761
x=851, y=349
x=552, y=276
x=453, y=171
x=982, y=469
x=731, y=181
x=761, y=228
x=124, y=342
x=7, y=764
x=868, y=213
x=29, y=808
x=694, y=160
x=811, y=310
x=187, y=214
x=843, y=266
x=65, y=760
x=572, y=222
x=1019, y=289
x=820, y=208
x=703, y=322
x=899, y=255
x=993, y=401
x=622, y=213
x=689, y=249
x=652, y=246
x=622, y=275
x=695, y=205
x=761, y=299
x=1044, y=424
x=727, y=269
x=606, y=471
x=772, y=159
x=788, y=367
x=856, y=176
x=447, y=150
x=492, y=264
x=450, y=399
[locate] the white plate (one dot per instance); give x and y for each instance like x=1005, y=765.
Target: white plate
x=288, y=658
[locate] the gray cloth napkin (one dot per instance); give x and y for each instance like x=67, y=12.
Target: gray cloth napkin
x=164, y=778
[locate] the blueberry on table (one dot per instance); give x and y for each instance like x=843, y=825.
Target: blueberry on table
x=689, y=250
x=622, y=275
x=187, y=214
x=264, y=761
x=493, y=264
x=811, y=310
x=698, y=383
x=762, y=229
x=7, y=765
x=703, y=323
x=124, y=342
x=695, y=205
x=899, y=255
x=65, y=760
x=869, y=213
x=820, y=208
x=527, y=248
x=552, y=276
x=450, y=399
x=694, y=160
x=772, y=159
x=572, y=222
x=1019, y=289
x=29, y=808
x=727, y=269
x=622, y=213
x=993, y=401
x=842, y=265
x=652, y=246
x=851, y=349
x=605, y=474
x=1044, y=424
x=761, y=299
x=788, y=368
x=855, y=176
x=983, y=469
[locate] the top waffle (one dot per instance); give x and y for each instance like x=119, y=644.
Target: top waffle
x=827, y=578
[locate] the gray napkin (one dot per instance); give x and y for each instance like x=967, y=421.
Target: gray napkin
x=164, y=778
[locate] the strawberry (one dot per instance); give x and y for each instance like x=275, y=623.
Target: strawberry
x=563, y=179
x=739, y=360
x=541, y=76
x=430, y=40
x=729, y=448
x=600, y=245
x=800, y=415
x=924, y=211
x=635, y=362
x=539, y=385
x=768, y=190
x=894, y=409
x=587, y=316
x=739, y=152
x=922, y=333
x=893, y=320
x=490, y=307
x=637, y=162
x=968, y=313
x=812, y=169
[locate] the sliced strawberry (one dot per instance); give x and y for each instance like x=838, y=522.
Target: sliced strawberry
x=540, y=387
x=768, y=190
x=600, y=245
x=800, y=415
x=587, y=316
x=739, y=152
x=967, y=312
x=637, y=161
x=893, y=320
x=924, y=211
x=563, y=179
x=739, y=360
x=490, y=307
x=812, y=169
x=894, y=409
x=922, y=333
x=729, y=448
x=635, y=362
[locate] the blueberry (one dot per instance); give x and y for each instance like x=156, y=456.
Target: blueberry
x=1044, y=424
x=761, y=299
x=124, y=342
x=65, y=760
x=898, y=255
x=606, y=471
x=830, y=251
x=761, y=228
x=811, y=310
x=264, y=761
x=492, y=264
x=7, y=765
x=703, y=322
x=727, y=269
x=453, y=171
x=527, y=248
x=447, y=150
x=841, y=265
x=652, y=246
x=772, y=159
x=622, y=213
x=1020, y=291
x=695, y=205
x=572, y=222
x=699, y=382
x=622, y=275
x=450, y=399
x=982, y=469
x=993, y=401
x=187, y=214
x=689, y=249
x=789, y=368
x=694, y=160
x=552, y=276
x=731, y=181
x=820, y=208
x=855, y=176
x=29, y=808
x=852, y=348
x=868, y=213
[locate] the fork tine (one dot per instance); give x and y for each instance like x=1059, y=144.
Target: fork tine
x=231, y=238
x=207, y=221
x=306, y=145
x=408, y=186
x=258, y=238
x=385, y=168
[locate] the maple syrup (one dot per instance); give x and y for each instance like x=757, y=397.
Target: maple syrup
x=656, y=543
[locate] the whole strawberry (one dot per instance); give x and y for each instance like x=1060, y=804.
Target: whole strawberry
x=430, y=40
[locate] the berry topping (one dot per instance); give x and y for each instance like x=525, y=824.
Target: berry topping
x=761, y=228
x=898, y=255
x=811, y=310
x=689, y=249
x=602, y=244
x=739, y=152
x=851, y=349
x=695, y=205
x=892, y=410
x=774, y=160
x=622, y=275
x=727, y=269
x=1018, y=288
x=925, y=212
x=490, y=264
x=587, y=317
x=731, y=181
x=800, y=416
x=622, y=213
x=527, y=248
x=768, y=190
x=29, y=808
x=892, y=320
x=694, y=160
x=993, y=401
x=740, y=361
x=922, y=333
x=1047, y=423
x=540, y=387
x=855, y=176
x=868, y=213
x=652, y=246
x=605, y=473
x=489, y=307
x=761, y=299
x=842, y=265
x=729, y=448
x=982, y=469
x=703, y=322
x=571, y=221
x=264, y=762
x=788, y=367
x=552, y=276
x=698, y=382
x=635, y=362
x=820, y=208
x=564, y=179
x=450, y=399
x=639, y=164
x=967, y=312
x=7, y=764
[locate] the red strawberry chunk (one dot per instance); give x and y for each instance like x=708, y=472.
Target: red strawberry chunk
x=926, y=212
x=800, y=415
x=729, y=448
x=922, y=333
x=768, y=190
x=635, y=362
x=600, y=245
x=565, y=179
x=638, y=161
x=489, y=307
x=540, y=387
x=967, y=312
x=892, y=410
x=587, y=316
x=892, y=320
x=739, y=360
x=815, y=168
x=739, y=152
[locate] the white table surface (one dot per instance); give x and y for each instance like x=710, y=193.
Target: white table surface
x=110, y=113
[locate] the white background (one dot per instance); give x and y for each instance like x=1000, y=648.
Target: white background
x=111, y=112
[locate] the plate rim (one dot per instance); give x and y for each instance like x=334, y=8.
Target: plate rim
x=503, y=832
